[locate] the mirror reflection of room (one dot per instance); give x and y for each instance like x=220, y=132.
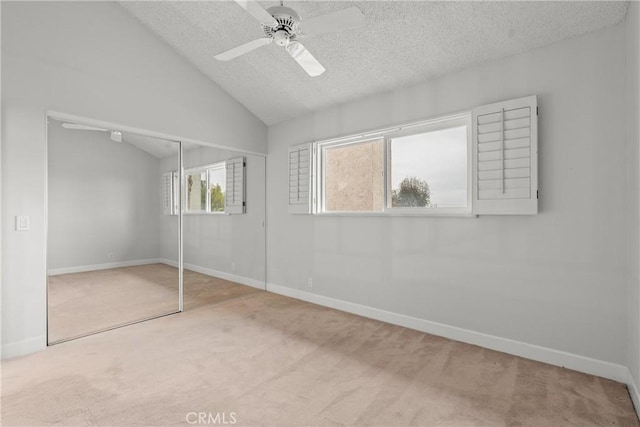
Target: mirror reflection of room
x=223, y=225
x=108, y=230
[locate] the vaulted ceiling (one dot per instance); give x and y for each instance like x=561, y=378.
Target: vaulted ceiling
x=401, y=42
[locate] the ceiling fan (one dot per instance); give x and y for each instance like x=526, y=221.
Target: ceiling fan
x=283, y=26
x=116, y=135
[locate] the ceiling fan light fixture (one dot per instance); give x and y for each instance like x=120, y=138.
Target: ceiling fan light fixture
x=284, y=27
x=281, y=38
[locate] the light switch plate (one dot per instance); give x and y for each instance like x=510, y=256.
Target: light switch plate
x=23, y=223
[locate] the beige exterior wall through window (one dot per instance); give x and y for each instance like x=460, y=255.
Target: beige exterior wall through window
x=354, y=178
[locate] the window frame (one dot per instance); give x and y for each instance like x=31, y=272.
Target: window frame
x=425, y=126
x=198, y=170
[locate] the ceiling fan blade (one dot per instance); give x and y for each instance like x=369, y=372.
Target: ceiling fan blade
x=257, y=12
x=242, y=49
x=76, y=126
x=341, y=20
x=305, y=59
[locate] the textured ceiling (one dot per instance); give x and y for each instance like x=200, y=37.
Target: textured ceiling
x=401, y=43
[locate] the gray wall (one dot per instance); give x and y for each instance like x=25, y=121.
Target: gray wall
x=633, y=138
x=229, y=244
x=67, y=57
x=104, y=197
x=557, y=279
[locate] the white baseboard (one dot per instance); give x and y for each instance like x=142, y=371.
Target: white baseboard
x=169, y=262
x=634, y=392
x=254, y=283
x=29, y=345
x=564, y=359
x=226, y=276
x=105, y=266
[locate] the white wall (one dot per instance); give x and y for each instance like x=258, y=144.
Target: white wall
x=104, y=198
x=633, y=138
x=233, y=245
x=94, y=60
x=556, y=280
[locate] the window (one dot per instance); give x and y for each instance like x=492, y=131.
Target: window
x=216, y=187
x=353, y=177
x=205, y=188
x=420, y=169
x=428, y=167
x=210, y=189
x=482, y=162
x=196, y=191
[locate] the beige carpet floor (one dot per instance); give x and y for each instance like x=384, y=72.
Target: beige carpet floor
x=201, y=290
x=264, y=359
x=81, y=303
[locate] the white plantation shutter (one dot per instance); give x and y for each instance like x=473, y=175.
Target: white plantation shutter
x=300, y=178
x=175, y=193
x=505, y=157
x=170, y=193
x=234, y=202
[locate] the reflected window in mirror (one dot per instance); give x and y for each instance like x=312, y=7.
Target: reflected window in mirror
x=205, y=189
x=216, y=185
x=170, y=182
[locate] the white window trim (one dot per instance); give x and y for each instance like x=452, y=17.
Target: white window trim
x=429, y=125
x=201, y=169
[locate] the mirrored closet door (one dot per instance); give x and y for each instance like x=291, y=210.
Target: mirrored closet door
x=113, y=229
x=223, y=225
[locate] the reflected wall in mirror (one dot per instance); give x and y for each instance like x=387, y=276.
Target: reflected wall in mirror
x=223, y=224
x=113, y=229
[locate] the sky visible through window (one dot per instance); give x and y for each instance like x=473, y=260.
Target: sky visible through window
x=217, y=184
x=439, y=158
x=218, y=176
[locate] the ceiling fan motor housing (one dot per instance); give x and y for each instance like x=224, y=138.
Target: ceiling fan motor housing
x=287, y=28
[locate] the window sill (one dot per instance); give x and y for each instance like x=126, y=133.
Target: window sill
x=203, y=213
x=461, y=214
